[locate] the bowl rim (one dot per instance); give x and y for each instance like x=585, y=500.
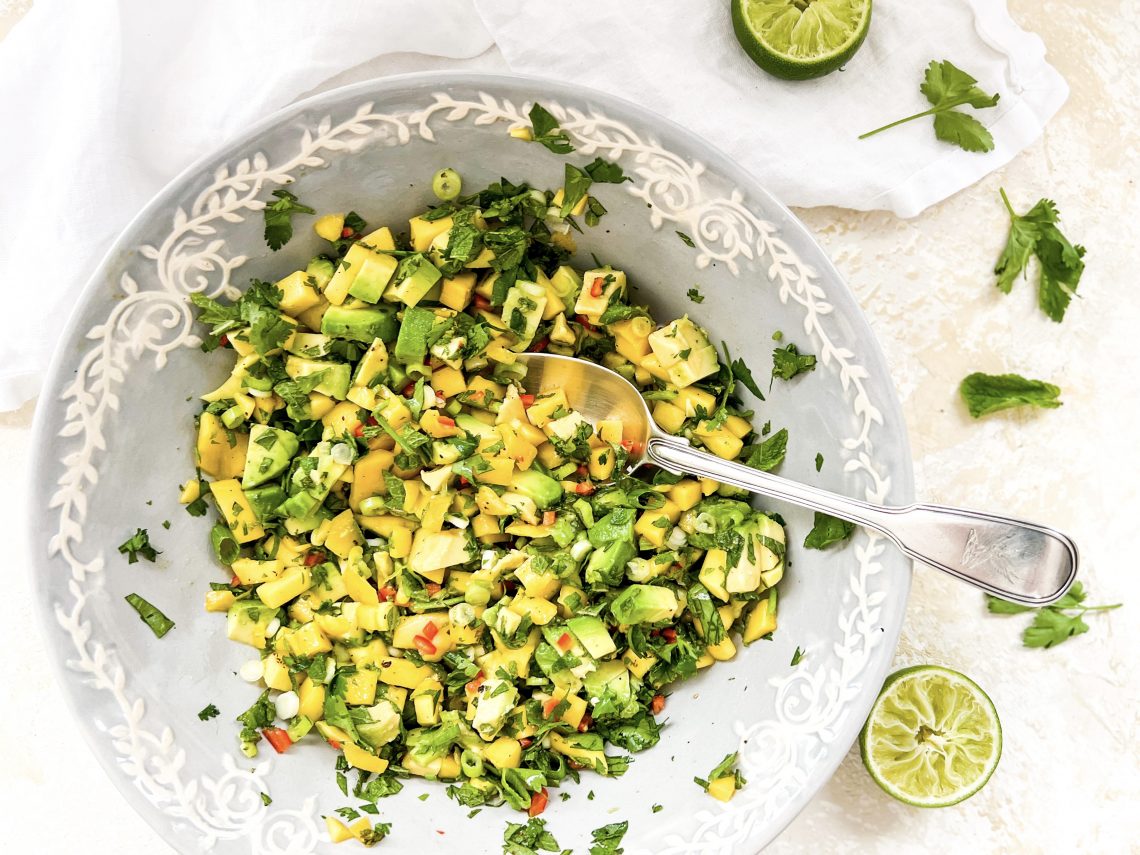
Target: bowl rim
x=711, y=155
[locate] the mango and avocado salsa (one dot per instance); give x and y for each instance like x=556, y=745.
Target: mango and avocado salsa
x=440, y=574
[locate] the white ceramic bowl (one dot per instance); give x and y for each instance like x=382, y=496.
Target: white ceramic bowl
x=114, y=439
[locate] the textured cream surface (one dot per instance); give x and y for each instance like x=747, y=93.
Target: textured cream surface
x=1069, y=779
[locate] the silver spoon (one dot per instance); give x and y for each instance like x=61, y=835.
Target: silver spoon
x=1016, y=560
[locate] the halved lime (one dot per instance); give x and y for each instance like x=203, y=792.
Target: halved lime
x=933, y=737
x=799, y=39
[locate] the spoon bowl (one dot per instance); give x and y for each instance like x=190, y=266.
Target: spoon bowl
x=1020, y=561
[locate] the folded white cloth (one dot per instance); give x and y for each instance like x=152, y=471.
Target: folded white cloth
x=106, y=100
x=800, y=138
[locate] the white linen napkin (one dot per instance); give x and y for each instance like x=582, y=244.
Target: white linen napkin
x=681, y=58
x=106, y=100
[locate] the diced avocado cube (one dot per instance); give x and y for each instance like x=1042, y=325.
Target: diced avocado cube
x=269, y=453
x=312, y=478
x=335, y=383
x=265, y=500
x=567, y=282
x=496, y=699
x=412, y=343
x=414, y=278
x=599, y=287
x=542, y=489
x=321, y=269
x=309, y=345
x=522, y=312
x=700, y=363
x=471, y=425
x=606, y=566
x=610, y=676
x=644, y=604
x=592, y=633
x=372, y=277
x=372, y=364
x=382, y=724
x=364, y=325
x=683, y=352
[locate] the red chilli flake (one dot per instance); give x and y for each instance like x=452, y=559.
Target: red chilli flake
x=424, y=645
x=584, y=321
x=358, y=431
x=432, y=588
x=540, y=345
x=346, y=232
x=549, y=517
x=669, y=634
x=482, y=302
x=597, y=286
x=584, y=488
x=657, y=704
x=314, y=558
x=527, y=399
x=585, y=723
x=526, y=742
x=386, y=593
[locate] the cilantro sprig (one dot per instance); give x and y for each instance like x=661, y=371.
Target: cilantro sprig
x=279, y=218
x=947, y=87
x=1035, y=233
x=1055, y=624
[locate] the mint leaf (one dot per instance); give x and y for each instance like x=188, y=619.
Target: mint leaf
x=989, y=393
x=546, y=132
x=770, y=453
x=159, y=623
x=138, y=544
x=827, y=530
x=606, y=172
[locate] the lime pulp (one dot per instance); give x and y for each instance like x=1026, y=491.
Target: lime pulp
x=933, y=737
x=800, y=39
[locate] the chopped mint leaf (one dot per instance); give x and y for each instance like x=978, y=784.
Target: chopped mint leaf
x=138, y=544
x=695, y=295
x=528, y=839
x=743, y=375
x=989, y=393
x=159, y=623
x=265, y=800
x=208, y=712
x=687, y=241
x=607, y=839
x=818, y=461
x=827, y=530
x=770, y=452
x=545, y=130
x=606, y=172
x=658, y=808
x=797, y=656
x=279, y=218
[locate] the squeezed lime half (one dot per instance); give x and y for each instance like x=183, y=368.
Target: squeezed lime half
x=800, y=39
x=933, y=737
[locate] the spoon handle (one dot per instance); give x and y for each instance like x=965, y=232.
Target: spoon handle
x=1012, y=559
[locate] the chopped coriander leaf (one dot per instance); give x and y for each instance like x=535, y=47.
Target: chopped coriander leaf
x=827, y=530
x=197, y=508
x=658, y=808
x=208, y=712
x=743, y=376
x=723, y=769
x=166, y=524
x=265, y=800
x=778, y=335
x=797, y=657
x=1053, y=624
x=279, y=218
x=687, y=241
x=787, y=362
x=159, y=623
x=818, y=461
x=544, y=128
x=989, y=393
x=695, y=295
x=1060, y=262
x=138, y=544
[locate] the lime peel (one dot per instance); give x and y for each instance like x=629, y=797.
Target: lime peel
x=800, y=39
